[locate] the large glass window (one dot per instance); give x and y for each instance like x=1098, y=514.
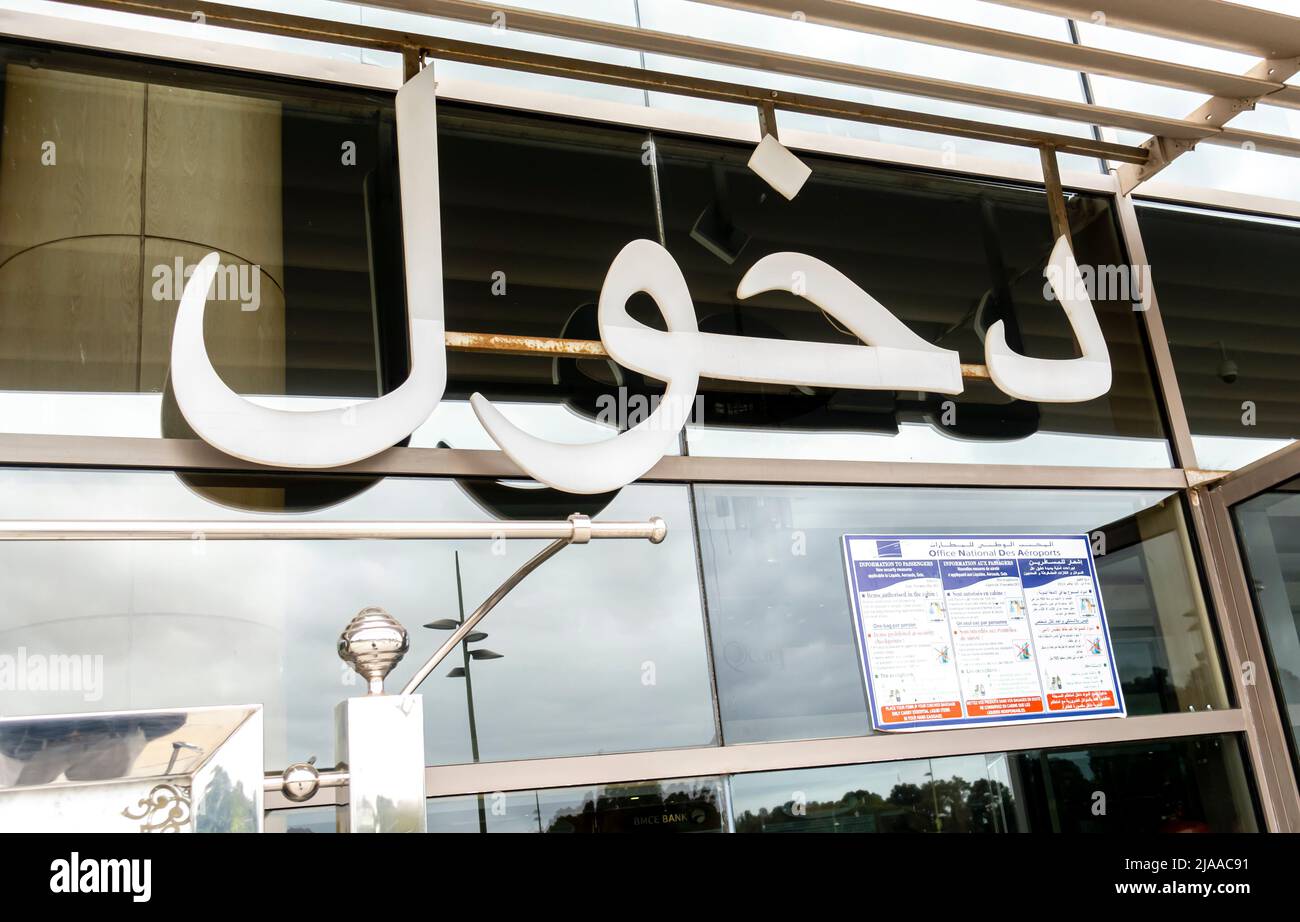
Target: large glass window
x=784, y=647
x=1183, y=785
x=600, y=650
x=1228, y=301
x=296, y=187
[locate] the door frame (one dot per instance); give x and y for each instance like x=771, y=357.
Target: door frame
x=1245, y=648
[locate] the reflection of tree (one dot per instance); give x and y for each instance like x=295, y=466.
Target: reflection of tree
x=225, y=807
x=397, y=815
x=943, y=805
x=643, y=808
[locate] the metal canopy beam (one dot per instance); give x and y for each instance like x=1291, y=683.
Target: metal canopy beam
x=744, y=56
x=1274, y=37
x=1231, y=26
x=1288, y=97
x=1170, y=137
x=1231, y=94
x=876, y=20
x=217, y=14
x=1216, y=111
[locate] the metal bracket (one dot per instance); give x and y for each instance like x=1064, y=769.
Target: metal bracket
x=767, y=120
x=1055, y=195
x=412, y=62
x=1163, y=151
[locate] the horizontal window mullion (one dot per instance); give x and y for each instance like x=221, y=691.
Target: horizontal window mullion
x=490, y=777
x=18, y=450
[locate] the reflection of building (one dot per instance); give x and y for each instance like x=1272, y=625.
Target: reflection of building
x=115, y=163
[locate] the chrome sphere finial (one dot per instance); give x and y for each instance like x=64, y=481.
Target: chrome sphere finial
x=373, y=643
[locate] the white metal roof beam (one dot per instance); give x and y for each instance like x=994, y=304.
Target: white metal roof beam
x=858, y=17
x=1245, y=29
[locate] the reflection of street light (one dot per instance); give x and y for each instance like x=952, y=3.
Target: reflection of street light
x=934, y=792
x=176, y=751
x=462, y=672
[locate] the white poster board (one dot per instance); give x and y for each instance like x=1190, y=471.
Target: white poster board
x=962, y=630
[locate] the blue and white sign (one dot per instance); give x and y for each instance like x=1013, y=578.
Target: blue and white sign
x=979, y=629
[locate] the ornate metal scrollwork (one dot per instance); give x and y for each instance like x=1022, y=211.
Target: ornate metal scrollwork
x=166, y=808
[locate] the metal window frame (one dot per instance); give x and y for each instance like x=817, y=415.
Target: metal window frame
x=1257, y=720
x=744, y=758
x=1267, y=744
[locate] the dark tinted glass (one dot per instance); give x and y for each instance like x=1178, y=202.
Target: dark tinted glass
x=1183, y=785
x=117, y=176
x=1228, y=299
x=784, y=650
x=682, y=805
x=296, y=186
x=948, y=256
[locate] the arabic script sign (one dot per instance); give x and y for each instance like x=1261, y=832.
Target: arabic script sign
x=894, y=358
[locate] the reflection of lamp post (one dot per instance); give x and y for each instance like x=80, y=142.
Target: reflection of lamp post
x=463, y=671
x=934, y=793
x=176, y=751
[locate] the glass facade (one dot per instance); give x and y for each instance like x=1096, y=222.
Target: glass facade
x=950, y=257
x=615, y=638
x=118, y=174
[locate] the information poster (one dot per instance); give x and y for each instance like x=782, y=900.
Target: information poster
x=974, y=629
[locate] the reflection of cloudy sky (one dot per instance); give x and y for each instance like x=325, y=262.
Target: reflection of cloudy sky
x=184, y=623
x=784, y=651
x=924, y=442
x=190, y=623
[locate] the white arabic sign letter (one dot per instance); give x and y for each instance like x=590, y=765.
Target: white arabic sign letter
x=1055, y=380
x=896, y=359
x=673, y=357
x=330, y=438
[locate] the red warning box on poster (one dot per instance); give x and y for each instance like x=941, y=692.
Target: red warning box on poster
x=1005, y=707
x=911, y=713
x=1080, y=700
